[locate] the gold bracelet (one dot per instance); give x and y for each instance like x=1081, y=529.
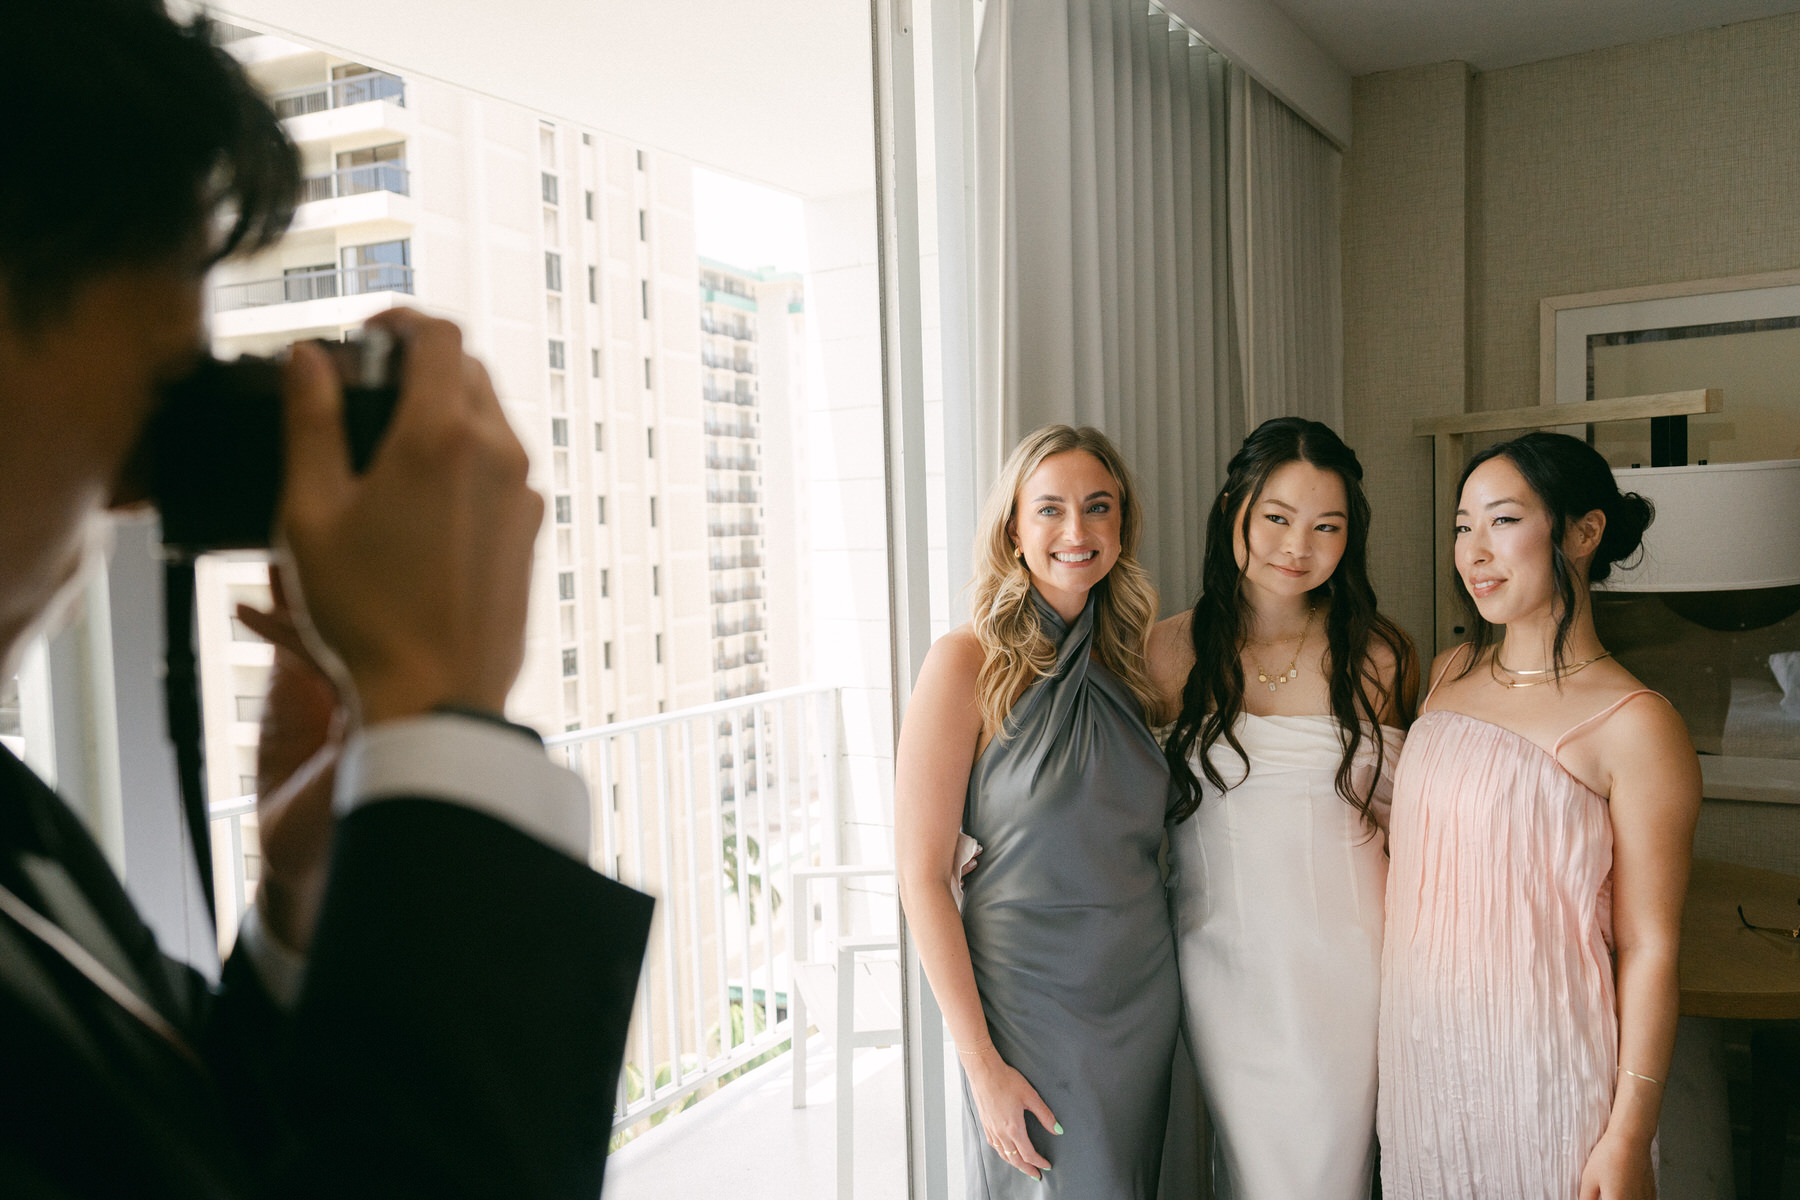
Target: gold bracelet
x=1635, y=1075
x=988, y=1045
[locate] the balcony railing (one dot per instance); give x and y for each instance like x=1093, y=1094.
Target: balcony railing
x=734, y=529
x=341, y=93
x=731, y=595
x=730, y=496
x=356, y=181
x=727, y=362
x=721, y=396
x=667, y=818
x=734, y=429
x=750, y=624
x=740, y=462
x=742, y=333
x=313, y=285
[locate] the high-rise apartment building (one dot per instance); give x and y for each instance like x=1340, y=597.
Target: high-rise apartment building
x=567, y=256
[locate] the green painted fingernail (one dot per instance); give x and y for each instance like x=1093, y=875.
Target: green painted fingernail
x=1058, y=1128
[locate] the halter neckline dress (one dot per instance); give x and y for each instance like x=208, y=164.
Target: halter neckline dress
x=1068, y=928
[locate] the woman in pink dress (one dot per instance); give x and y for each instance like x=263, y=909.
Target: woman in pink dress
x=1543, y=814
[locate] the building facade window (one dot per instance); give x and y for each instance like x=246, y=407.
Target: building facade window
x=653, y=512
x=640, y=160
x=655, y=580
x=599, y=436
x=565, y=585
x=594, y=363
x=606, y=661
x=643, y=226
x=644, y=297
x=559, y=431
x=557, y=355
x=565, y=510
x=593, y=285
x=647, y=382
x=588, y=202
x=600, y=502
x=659, y=648
x=552, y=271
x=569, y=662
x=650, y=442
x=605, y=583
x=552, y=187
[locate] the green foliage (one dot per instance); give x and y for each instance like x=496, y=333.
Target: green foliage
x=634, y=1077
x=754, y=853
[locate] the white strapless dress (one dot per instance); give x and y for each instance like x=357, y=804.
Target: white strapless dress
x=1277, y=891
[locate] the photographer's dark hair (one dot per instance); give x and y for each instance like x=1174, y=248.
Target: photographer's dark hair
x=1213, y=697
x=127, y=136
x=1571, y=480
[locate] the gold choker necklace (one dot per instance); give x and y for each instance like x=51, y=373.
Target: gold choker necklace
x=1495, y=666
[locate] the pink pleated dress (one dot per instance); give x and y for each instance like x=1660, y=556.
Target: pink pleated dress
x=1499, y=1033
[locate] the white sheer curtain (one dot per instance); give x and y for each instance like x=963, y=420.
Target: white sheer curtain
x=1103, y=272
x=1285, y=260
x=1152, y=230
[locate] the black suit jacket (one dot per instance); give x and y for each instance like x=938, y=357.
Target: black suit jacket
x=459, y=1033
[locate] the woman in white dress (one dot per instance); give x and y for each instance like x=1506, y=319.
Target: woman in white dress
x=1291, y=691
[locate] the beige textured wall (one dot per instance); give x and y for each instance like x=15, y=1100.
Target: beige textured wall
x=1404, y=237
x=1668, y=160
x=1469, y=199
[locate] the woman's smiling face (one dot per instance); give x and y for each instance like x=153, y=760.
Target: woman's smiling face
x=1503, y=539
x=1298, y=530
x=1068, y=522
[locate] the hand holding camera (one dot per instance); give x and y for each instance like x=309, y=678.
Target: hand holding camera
x=414, y=575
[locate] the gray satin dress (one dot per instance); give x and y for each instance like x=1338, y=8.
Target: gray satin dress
x=1069, y=930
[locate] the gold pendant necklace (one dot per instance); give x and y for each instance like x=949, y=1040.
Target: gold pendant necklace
x=1495, y=666
x=1293, y=670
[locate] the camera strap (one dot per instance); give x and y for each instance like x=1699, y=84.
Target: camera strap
x=181, y=697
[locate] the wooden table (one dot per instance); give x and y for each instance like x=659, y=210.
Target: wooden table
x=1746, y=974
x=1727, y=970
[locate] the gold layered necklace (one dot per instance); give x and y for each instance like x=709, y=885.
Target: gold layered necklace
x=1292, y=671
x=1542, y=675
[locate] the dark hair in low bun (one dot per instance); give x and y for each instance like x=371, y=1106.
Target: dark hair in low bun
x=1571, y=479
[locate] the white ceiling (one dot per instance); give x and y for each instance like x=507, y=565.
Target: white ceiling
x=775, y=91
x=1381, y=35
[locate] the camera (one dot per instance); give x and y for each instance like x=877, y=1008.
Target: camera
x=212, y=456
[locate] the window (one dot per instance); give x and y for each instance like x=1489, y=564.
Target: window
x=655, y=580
x=640, y=160
x=658, y=648
x=594, y=363
x=599, y=436
x=553, y=270
x=606, y=662
x=601, y=501
x=588, y=201
x=587, y=139
x=605, y=583
x=249, y=708
x=644, y=297
x=650, y=441
x=552, y=187
x=565, y=585
x=547, y=142
x=647, y=382
x=653, y=512
x=565, y=510
x=643, y=226
x=593, y=285
x=556, y=355
x=559, y=431
x=377, y=267
x=569, y=663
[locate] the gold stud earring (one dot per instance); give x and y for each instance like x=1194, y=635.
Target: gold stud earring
x=1018, y=553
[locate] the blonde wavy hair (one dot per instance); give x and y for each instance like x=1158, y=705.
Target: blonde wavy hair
x=1016, y=650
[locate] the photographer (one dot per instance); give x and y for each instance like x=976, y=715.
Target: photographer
x=431, y=995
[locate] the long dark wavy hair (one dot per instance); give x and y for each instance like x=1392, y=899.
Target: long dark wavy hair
x=1572, y=480
x=1213, y=697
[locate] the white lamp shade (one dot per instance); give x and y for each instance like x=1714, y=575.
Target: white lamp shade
x=1722, y=527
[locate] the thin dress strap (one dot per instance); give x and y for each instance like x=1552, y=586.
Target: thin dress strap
x=1605, y=712
x=1439, y=681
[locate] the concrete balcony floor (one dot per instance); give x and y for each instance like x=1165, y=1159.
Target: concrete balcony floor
x=747, y=1141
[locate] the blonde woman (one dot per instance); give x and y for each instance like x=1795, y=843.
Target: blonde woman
x=1027, y=730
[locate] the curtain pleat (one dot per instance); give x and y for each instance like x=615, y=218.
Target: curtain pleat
x=1156, y=255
